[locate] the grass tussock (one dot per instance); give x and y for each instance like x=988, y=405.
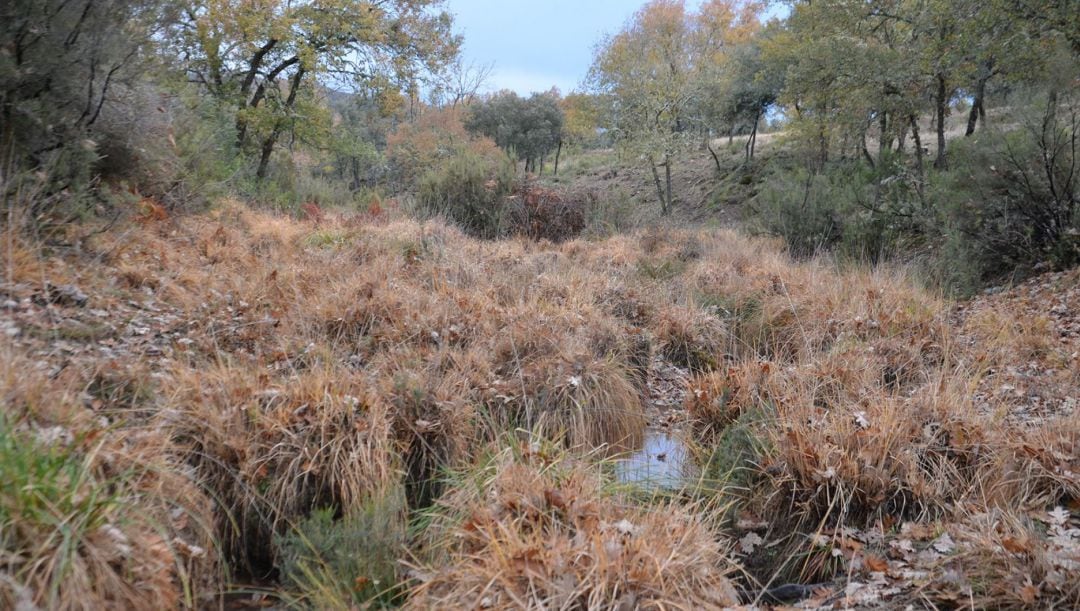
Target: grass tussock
x=92, y=515
x=536, y=529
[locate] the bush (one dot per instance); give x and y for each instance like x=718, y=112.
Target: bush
x=862, y=212
x=339, y=562
x=1010, y=201
x=469, y=190
x=545, y=214
x=53, y=84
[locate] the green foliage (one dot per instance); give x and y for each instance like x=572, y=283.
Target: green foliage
x=1011, y=201
x=266, y=58
x=733, y=462
x=339, y=562
x=59, y=62
x=50, y=501
x=469, y=190
x=529, y=127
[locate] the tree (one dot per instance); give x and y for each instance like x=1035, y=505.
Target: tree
x=581, y=118
x=652, y=72
x=459, y=83
x=645, y=69
x=527, y=127
x=743, y=92
x=59, y=62
x=262, y=55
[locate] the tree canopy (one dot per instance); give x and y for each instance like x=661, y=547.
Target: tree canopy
x=530, y=128
x=265, y=57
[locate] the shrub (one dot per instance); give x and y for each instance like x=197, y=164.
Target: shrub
x=545, y=214
x=53, y=85
x=862, y=212
x=470, y=190
x=332, y=562
x=1011, y=200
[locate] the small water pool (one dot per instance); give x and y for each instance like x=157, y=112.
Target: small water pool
x=663, y=461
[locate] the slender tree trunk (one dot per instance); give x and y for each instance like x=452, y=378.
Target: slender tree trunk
x=884, y=142
x=751, y=142
x=865, y=150
x=986, y=70
x=659, y=187
x=715, y=157
x=920, y=170
x=667, y=174
x=941, y=162
x=1050, y=118
x=541, y=165
x=558, y=153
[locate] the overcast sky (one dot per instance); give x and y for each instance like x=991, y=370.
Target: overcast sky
x=537, y=44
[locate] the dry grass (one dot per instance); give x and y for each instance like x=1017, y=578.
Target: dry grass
x=533, y=529
x=252, y=369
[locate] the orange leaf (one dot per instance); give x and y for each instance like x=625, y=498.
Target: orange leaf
x=1016, y=545
x=1029, y=593
x=555, y=498
x=876, y=564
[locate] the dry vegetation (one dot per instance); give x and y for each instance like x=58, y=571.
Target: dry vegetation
x=180, y=395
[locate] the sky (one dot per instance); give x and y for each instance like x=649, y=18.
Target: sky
x=537, y=44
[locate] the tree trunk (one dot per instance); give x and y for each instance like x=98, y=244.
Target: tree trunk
x=667, y=174
x=257, y=98
x=355, y=166
x=986, y=70
x=271, y=140
x=941, y=162
x=884, y=142
x=919, y=168
x=558, y=153
x=659, y=187
x=715, y=157
x=751, y=141
x=1050, y=117
x=865, y=150
x=541, y=165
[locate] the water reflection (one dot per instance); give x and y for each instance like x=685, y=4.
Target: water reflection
x=662, y=462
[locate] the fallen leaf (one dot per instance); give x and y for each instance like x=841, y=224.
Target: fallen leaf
x=750, y=542
x=555, y=498
x=1029, y=593
x=944, y=544
x=876, y=564
x=1016, y=545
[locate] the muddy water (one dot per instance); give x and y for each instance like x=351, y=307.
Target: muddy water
x=663, y=461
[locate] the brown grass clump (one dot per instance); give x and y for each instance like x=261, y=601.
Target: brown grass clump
x=93, y=516
x=269, y=452
x=538, y=531
x=717, y=399
x=545, y=214
x=691, y=338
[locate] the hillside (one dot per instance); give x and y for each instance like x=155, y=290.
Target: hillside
x=184, y=391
